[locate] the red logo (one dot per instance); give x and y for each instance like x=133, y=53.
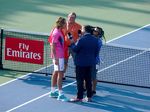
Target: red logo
x=24, y=50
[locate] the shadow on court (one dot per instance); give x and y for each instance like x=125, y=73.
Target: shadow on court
x=116, y=98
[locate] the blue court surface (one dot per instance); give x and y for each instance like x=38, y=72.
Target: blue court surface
x=30, y=93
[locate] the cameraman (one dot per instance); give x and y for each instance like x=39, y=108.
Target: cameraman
x=99, y=34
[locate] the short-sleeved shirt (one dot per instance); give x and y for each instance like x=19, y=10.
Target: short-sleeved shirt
x=73, y=29
x=99, y=46
x=57, y=38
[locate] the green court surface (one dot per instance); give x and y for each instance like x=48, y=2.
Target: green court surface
x=116, y=17
x=8, y=75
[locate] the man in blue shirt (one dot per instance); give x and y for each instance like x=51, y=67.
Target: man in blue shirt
x=86, y=49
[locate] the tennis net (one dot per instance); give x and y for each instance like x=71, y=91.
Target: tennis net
x=120, y=64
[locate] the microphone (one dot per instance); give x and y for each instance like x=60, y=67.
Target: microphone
x=70, y=36
x=79, y=33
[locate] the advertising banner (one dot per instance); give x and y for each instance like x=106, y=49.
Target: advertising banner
x=24, y=50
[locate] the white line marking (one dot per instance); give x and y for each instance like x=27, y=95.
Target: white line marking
x=128, y=33
x=22, y=76
x=30, y=101
x=121, y=61
x=14, y=80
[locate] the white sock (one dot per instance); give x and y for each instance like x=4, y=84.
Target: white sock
x=53, y=89
x=60, y=92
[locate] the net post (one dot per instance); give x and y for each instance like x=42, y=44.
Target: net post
x=1, y=47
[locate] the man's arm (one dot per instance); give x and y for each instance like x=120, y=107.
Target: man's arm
x=75, y=46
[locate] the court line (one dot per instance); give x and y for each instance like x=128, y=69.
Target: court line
x=128, y=57
x=30, y=101
x=128, y=33
x=51, y=65
x=23, y=76
x=122, y=61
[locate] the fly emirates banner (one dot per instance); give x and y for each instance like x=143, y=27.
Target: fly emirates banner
x=24, y=50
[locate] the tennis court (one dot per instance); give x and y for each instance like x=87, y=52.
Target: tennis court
x=29, y=93
x=125, y=59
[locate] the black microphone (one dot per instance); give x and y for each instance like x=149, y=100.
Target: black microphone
x=70, y=36
x=79, y=33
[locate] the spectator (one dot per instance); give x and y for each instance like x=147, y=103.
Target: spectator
x=98, y=33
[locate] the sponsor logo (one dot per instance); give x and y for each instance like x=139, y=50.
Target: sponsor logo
x=24, y=50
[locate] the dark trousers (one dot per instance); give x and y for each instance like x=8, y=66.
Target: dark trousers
x=83, y=73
